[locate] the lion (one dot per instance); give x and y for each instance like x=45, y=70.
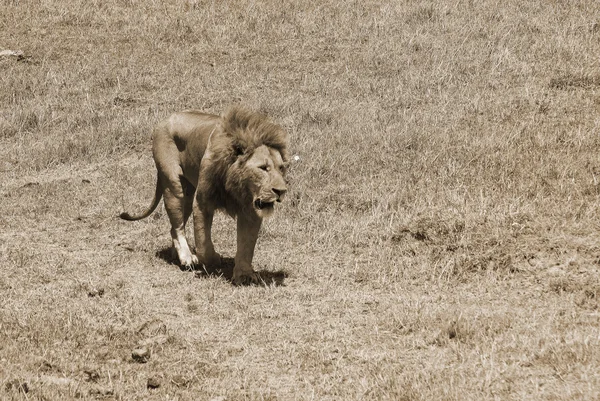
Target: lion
x=235, y=163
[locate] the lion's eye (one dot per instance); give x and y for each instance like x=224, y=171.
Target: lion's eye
x=264, y=167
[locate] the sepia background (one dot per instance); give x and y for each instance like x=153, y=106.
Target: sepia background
x=440, y=240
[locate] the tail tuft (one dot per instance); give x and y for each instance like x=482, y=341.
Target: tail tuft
x=126, y=216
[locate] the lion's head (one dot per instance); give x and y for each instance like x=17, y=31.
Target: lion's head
x=248, y=154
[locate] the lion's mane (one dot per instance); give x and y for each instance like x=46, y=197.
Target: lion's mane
x=223, y=179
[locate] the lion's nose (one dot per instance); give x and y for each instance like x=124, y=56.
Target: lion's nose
x=280, y=192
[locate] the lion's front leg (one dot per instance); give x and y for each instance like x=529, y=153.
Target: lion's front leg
x=247, y=234
x=205, y=250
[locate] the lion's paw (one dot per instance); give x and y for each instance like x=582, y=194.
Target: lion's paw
x=246, y=278
x=188, y=263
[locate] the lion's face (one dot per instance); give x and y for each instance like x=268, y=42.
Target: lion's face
x=264, y=180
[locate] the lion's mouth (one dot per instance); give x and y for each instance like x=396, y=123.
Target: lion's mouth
x=261, y=204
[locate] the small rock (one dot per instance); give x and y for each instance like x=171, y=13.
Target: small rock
x=12, y=53
x=179, y=381
x=141, y=354
x=153, y=328
x=219, y=398
x=153, y=382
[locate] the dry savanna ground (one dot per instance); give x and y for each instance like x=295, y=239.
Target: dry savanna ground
x=441, y=236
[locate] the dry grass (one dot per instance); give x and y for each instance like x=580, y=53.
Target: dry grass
x=441, y=241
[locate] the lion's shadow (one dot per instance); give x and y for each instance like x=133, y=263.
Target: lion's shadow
x=268, y=278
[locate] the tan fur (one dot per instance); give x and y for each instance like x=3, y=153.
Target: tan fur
x=235, y=162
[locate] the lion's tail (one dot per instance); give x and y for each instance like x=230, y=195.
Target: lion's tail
x=147, y=212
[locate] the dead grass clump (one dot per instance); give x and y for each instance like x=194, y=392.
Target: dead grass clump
x=458, y=329
x=28, y=121
x=472, y=329
x=575, y=81
x=423, y=14
x=434, y=229
x=465, y=264
x=17, y=386
x=584, y=289
x=7, y=130
x=563, y=354
x=457, y=248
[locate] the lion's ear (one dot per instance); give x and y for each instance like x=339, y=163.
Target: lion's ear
x=238, y=149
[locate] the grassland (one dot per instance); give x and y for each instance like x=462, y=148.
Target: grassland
x=441, y=240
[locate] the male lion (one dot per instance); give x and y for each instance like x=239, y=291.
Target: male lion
x=235, y=162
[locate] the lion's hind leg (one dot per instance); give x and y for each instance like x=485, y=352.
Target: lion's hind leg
x=179, y=209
